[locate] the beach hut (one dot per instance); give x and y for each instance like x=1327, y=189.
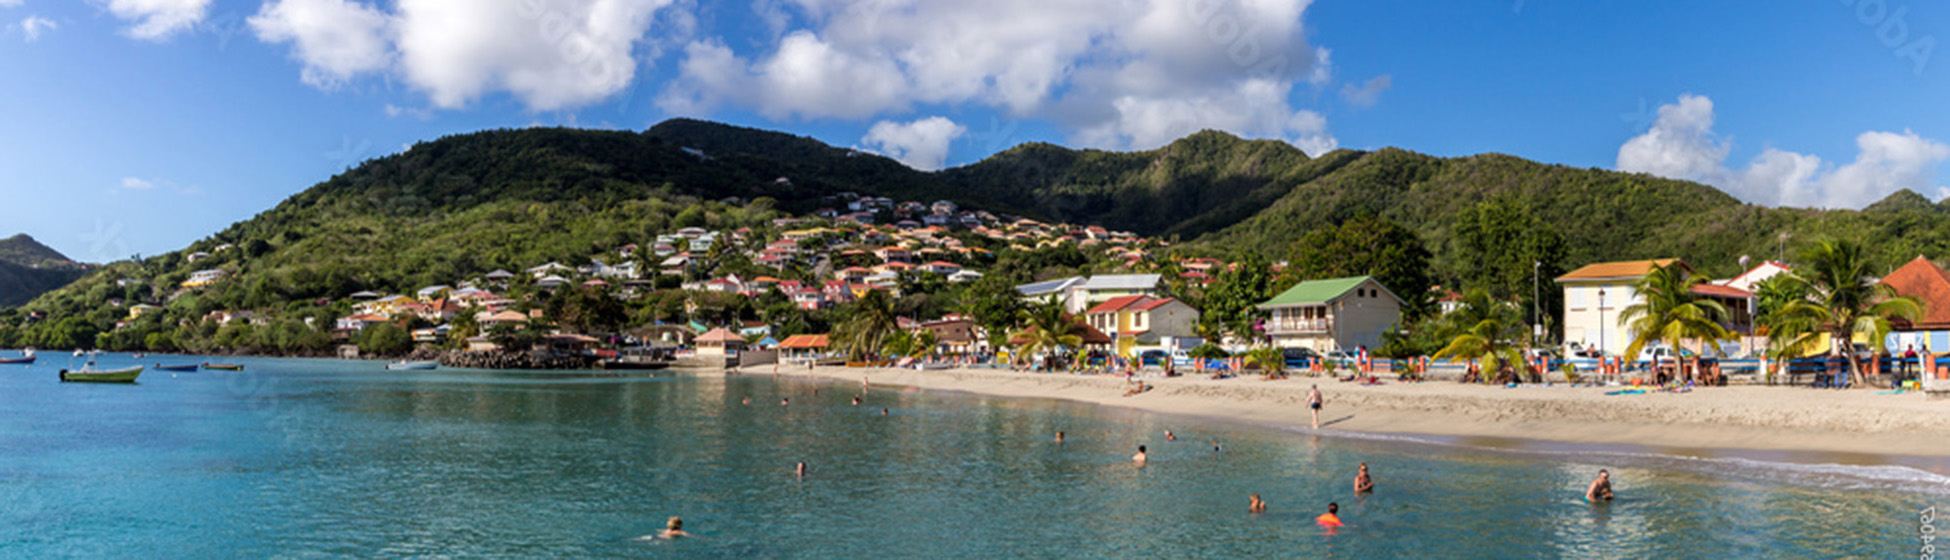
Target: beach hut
x=801, y=346
x=719, y=342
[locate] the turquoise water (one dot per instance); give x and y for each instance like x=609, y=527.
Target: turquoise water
x=328, y=458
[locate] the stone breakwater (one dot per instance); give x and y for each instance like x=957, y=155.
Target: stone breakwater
x=511, y=360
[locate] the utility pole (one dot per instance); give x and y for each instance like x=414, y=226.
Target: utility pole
x=1536, y=303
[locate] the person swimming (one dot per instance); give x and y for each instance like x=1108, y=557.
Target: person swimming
x=856, y=400
x=1169, y=436
x=1256, y=505
x=801, y=470
x=1332, y=518
x=1141, y=456
x=748, y=401
x=883, y=412
x=673, y=530
x=785, y=402
x=1362, y=482
x=1059, y=436
x=1600, y=489
x=1215, y=447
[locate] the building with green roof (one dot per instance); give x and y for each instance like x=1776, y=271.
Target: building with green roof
x=1332, y=314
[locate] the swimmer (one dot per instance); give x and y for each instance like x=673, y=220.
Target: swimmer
x=1059, y=436
x=856, y=400
x=748, y=401
x=1362, y=483
x=1169, y=437
x=785, y=402
x=1256, y=505
x=883, y=412
x=1140, y=456
x=1332, y=518
x=673, y=530
x=1600, y=489
x=801, y=470
x=1215, y=447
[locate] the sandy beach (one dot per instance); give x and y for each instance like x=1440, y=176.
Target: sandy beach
x=1854, y=421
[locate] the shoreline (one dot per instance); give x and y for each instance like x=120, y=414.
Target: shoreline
x=1795, y=424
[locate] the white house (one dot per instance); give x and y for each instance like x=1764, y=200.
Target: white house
x=1335, y=314
x=1079, y=293
x=1596, y=294
x=1746, y=280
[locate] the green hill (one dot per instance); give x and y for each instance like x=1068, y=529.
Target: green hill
x=466, y=204
x=29, y=269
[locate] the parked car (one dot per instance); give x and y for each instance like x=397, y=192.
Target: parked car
x=1655, y=352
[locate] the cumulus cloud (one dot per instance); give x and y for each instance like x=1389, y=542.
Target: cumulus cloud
x=1367, y=94
x=1682, y=144
x=1118, y=73
x=33, y=26
x=550, y=54
x=10, y=3
x=921, y=144
x=335, y=39
x=136, y=183
x=155, y=20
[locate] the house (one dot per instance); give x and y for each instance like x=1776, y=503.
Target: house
x=853, y=274
x=203, y=278
x=548, y=269
x=1333, y=314
x=802, y=346
x=500, y=277
x=138, y=310
x=754, y=328
x=958, y=334
x=1079, y=293
x=1925, y=281
x=222, y=317
x=1595, y=295
x=692, y=232
x=1142, y=320
x=941, y=267
x=809, y=298
x=431, y=293
x=719, y=342
x=509, y=318
x=964, y=275
x=726, y=284
x=894, y=253
x=1757, y=274
x=357, y=323
x=551, y=281
x=623, y=271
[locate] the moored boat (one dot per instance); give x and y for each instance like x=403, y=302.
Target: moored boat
x=429, y=364
x=225, y=367
x=90, y=374
x=26, y=357
x=177, y=367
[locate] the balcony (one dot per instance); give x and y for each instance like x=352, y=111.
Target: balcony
x=1298, y=326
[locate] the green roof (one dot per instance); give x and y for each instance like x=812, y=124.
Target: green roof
x=1315, y=292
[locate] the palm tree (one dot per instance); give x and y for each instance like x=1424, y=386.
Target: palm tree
x=1271, y=360
x=1484, y=329
x=1048, y=328
x=1844, y=302
x=866, y=330
x=1670, y=312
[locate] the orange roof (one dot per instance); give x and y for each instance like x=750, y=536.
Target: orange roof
x=1619, y=270
x=804, y=342
x=720, y=335
x=1717, y=290
x=1926, y=281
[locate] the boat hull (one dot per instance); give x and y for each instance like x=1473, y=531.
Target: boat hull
x=224, y=367
x=26, y=360
x=190, y=367
x=126, y=375
x=412, y=365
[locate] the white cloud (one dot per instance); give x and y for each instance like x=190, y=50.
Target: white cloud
x=921, y=144
x=137, y=183
x=32, y=27
x=550, y=54
x=158, y=19
x=335, y=39
x=10, y=3
x=1367, y=94
x=1117, y=73
x=1682, y=145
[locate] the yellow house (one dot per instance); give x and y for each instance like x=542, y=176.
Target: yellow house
x=1141, y=320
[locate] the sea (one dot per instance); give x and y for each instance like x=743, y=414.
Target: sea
x=293, y=458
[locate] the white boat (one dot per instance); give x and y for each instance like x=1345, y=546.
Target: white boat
x=429, y=364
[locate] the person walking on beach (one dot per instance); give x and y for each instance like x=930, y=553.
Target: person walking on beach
x=1362, y=483
x=1313, y=403
x=1140, y=456
x=1600, y=489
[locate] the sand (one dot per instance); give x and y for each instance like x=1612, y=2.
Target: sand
x=1849, y=421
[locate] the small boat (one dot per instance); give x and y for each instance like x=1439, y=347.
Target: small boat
x=429, y=364
x=934, y=366
x=88, y=373
x=177, y=367
x=225, y=367
x=26, y=357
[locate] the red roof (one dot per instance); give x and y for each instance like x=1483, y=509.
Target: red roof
x=804, y=342
x=1926, y=281
x=943, y=264
x=1717, y=290
x=1115, y=304
x=720, y=335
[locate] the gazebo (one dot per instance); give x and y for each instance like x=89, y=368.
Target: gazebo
x=719, y=342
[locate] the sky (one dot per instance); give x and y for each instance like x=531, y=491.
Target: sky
x=138, y=126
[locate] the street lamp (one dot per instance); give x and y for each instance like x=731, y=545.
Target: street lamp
x=1601, y=323
x=1536, y=304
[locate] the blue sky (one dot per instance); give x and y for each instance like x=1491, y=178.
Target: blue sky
x=138, y=126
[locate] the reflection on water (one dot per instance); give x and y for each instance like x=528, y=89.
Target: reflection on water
x=343, y=458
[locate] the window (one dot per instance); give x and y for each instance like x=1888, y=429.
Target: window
x=1577, y=298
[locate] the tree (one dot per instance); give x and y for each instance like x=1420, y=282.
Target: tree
x=864, y=333
x=692, y=216
x=993, y=304
x=1366, y=246
x=1844, y=302
x=1503, y=247
x=1670, y=312
x=1048, y=329
x=384, y=339
x=1484, y=329
x=1230, y=304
